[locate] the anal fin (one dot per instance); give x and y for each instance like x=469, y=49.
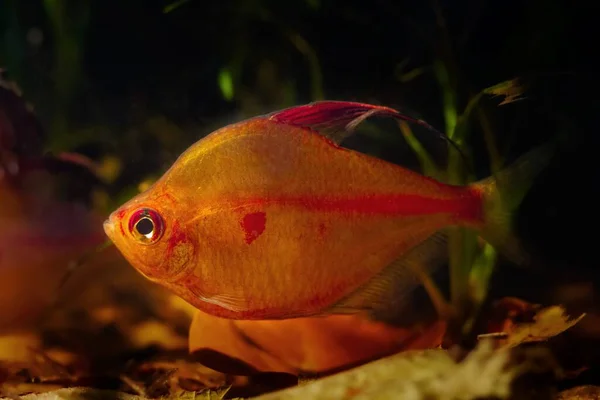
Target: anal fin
x=388, y=296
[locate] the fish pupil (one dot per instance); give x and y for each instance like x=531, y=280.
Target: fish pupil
x=145, y=227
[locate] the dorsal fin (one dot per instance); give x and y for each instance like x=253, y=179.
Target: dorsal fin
x=337, y=120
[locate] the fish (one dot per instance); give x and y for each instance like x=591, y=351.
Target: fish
x=302, y=346
x=272, y=218
x=46, y=221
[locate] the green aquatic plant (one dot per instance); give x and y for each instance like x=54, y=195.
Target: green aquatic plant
x=471, y=264
x=69, y=20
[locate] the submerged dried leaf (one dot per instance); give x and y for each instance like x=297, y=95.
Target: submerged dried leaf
x=83, y=393
x=547, y=323
x=156, y=333
x=587, y=392
x=511, y=90
x=79, y=394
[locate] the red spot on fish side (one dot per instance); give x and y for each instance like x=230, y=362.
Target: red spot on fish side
x=253, y=225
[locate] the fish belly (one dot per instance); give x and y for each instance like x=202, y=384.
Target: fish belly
x=278, y=261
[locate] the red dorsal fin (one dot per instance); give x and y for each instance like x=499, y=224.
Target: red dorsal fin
x=337, y=120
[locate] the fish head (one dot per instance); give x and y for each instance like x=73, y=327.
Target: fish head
x=148, y=234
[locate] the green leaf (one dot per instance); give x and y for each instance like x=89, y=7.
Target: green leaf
x=428, y=166
x=314, y=65
x=482, y=271
x=314, y=4
x=449, y=99
x=226, y=84
x=174, y=6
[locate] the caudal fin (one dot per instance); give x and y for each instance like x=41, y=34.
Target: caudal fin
x=502, y=195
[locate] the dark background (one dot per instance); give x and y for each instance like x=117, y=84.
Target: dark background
x=139, y=80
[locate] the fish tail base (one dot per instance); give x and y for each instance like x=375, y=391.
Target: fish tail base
x=503, y=193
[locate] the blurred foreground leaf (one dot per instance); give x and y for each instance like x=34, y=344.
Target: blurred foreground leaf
x=431, y=374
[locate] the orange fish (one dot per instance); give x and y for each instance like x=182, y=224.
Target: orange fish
x=301, y=345
x=270, y=218
x=45, y=220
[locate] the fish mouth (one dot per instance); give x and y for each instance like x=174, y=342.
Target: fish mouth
x=109, y=228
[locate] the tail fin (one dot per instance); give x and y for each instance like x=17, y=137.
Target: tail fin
x=502, y=195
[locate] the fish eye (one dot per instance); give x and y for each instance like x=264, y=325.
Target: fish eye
x=146, y=225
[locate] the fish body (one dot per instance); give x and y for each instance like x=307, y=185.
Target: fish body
x=270, y=218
